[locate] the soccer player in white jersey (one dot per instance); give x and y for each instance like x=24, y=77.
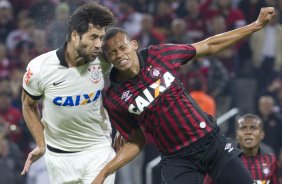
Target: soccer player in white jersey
x=74, y=130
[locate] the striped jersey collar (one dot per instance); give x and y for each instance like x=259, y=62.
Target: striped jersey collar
x=114, y=71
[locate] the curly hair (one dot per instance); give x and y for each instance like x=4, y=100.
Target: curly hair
x=89, y=13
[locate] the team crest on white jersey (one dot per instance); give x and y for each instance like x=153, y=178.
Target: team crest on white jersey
x=95, y=73
x=155, y=73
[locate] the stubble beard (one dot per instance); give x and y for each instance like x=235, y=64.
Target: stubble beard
x=81, y=51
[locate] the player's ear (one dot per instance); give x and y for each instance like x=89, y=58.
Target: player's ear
x=74, y=35
x=134, y=43
x=237, y=136
x=262, y=135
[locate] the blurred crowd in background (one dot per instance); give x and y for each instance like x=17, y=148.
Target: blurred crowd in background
x=247, y=76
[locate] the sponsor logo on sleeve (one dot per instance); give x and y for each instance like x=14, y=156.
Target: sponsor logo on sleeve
x=27, y=76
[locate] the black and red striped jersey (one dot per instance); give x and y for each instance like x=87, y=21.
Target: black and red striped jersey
x=156, y=100
x=263, y=167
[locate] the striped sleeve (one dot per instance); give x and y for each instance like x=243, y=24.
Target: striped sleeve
x=175, y=54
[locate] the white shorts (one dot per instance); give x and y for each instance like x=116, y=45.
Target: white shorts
x=79, y=168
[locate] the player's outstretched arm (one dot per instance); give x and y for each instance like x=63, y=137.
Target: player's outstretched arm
x=219, y=42
x=127, y=152
x=32, y=119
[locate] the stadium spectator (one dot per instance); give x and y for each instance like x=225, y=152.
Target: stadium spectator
x=258, y=158
x=205, y=101
x=163, y=16
x=234, y=17
x=178, y=30
x=272, y=123
x=250, y=9
x=58, y=27
x=261, y=163
x=41, y=11
x=9, y=115
x=148, y=35
x=266, y=46
x=196, y=20
x=5, y=63
x=20, y=36
x=129, y=18
x=10, y=159
x=7, y=23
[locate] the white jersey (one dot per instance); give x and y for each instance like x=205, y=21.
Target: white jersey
x=73, y=113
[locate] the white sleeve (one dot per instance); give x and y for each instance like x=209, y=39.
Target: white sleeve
x=32, y=82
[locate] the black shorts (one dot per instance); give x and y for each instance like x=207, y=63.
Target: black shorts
x=208, y=155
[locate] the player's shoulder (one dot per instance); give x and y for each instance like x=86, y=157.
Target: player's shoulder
x=266, y=149
x=44, y=59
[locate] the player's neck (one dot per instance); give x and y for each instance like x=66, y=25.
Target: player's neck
x=128, y=74
x=251, y=152
x=71, y=58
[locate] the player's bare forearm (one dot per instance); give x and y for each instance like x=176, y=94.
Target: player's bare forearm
x=127, y=152
x=32, y=119
x=219, y=42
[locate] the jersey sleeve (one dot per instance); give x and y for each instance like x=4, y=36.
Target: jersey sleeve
x=32, y=82
x=174, y=54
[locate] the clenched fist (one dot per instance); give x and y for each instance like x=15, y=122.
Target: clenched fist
x=264, y=17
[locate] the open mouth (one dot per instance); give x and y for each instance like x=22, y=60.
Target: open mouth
x=248, y=140
x=122, y=62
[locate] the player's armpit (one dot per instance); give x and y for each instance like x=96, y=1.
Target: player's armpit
x=119, y=141
x=126, y=153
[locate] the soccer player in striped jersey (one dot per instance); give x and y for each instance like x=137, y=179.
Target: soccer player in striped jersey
x=145, y=95
x=261, y=164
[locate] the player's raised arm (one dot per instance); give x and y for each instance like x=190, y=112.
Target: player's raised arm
x=219, y=42
x=127, y=152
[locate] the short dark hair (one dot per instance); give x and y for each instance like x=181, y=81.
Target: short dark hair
x=89, y=13
x=112, y=32
x=250, y=116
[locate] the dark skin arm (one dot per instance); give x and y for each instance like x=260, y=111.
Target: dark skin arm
x=217, y=43
x=127, y=152
x=35, y=126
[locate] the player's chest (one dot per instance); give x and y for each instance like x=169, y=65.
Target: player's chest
x=139, y=93
x=74, y=86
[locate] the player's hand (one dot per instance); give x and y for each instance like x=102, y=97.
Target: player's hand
x=118, y=141
x=100, y=178
x=34, y=155
x=265, y=16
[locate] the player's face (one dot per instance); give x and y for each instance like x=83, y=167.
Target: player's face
x=249, y=133
x=90, y=43
x=121, y=52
